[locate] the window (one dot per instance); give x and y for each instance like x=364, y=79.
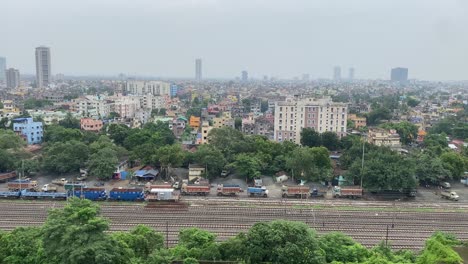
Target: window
x=292, y=115
x=332, y=109
x=342, y=116
x=281, y=108
x=292, y=122
x=342, y=123
x=309, y=115
x=331, y=116
x=280, y=127
x=343, y=109
x=292, y=108
x=291, y=128
x=331, y=122
x=281, y=115
x=342, y=129
x=290, y=134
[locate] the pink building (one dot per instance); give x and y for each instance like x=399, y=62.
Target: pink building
x=89, y=124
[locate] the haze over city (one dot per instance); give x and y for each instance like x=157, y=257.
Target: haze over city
x=275, y=38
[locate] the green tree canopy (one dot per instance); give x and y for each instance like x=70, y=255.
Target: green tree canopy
x=330, y=140
x=61, y=157
x=310, y=138
x=310, y=163
x=70, y=122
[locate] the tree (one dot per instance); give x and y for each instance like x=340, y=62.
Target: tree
x=65, y=157
x=310, y=137
x=141, y=240
x=228, y=140
x=238, y=123
x=453, y=162
x=7, y=161
x=168, y=156
x=330, y=140
x=339, y=247
x=210, y=157
x=282, y=242
x=195, y=238
x=55, y=133
x=22, y=246
x=436, y=143
x=412, y=102
x=407, y=131
x=247, y=165
x=430, y=169
x=309, y=163
x=384, y=169
x=162, y=111
x=378, y=114
x=102, y=164
x=246, y=103
x=75, y=234
x=113, y=115
x=194, y=111
x=9, y=140
x=438, y=249
x=33, y=103
x=118, y=133
x=70, y=122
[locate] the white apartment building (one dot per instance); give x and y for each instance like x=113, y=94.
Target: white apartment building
x=148, y=87
x=150, y=101
x=294, y=114
x=93, y=106
x=126, y=106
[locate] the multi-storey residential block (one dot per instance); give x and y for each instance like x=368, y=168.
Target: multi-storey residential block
x=148, y=87
x=383, y=137
x=358, y=121
x=294, y=114
x=205, y=130
x=126, y=106
x=43, y=67
x=224, y=121
x=92, y=106
x=12, y=78
x=28, y=129
x=89, y=124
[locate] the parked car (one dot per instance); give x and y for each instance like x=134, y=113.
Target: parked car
x=445, y=185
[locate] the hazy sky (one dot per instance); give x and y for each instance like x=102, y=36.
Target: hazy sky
x=265, y=37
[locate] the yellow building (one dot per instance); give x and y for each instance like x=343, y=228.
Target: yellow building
x=358, y=121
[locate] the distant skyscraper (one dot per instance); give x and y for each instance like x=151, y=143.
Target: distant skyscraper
x=337, y=73
x=351, y=74
x=399, y=75
x=198, y=69
x=245, y=76
x=12, y=78
x=2, y=68
x=43, y=67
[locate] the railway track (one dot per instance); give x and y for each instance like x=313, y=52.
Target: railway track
x=409, y=225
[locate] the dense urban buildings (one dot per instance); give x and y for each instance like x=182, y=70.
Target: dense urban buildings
x=337, y=73
x=148, y=87
x=2, y=68
x=294, y=114
x=198, y=69
x=43, y=67
x=399, y=75
x=12, y=78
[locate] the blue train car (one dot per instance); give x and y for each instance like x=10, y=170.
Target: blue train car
x=10, y=195
x=43, y=195
x=127, y=194
x=93, y=194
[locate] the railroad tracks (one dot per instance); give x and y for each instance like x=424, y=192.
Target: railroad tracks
x=408, y=225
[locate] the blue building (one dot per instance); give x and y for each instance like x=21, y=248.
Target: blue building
x=174, y=90
x=28, y=129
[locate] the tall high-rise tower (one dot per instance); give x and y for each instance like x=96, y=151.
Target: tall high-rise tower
x=337, y=73
x=399, y=74
x=43, y=67
x=2, y=68
x=351, y=74
x=245, y=76
x=198, y=69
x=12, y=78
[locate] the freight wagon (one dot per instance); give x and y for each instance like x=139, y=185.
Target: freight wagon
x=93, y=194
x=257, y=191
x=17, y=185
x=228, y=189
x=127, y=194
x=297, y=191
x=195, y=189
x=10, y=195
x=43, y=195
x=7, y=176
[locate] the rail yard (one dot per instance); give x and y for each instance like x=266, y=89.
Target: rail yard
x=402, y=225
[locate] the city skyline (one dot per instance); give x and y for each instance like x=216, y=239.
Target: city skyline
x=229, y=36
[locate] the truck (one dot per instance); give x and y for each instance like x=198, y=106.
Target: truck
x=195, y=189
x=228, y=189
x=347, y=192
x=297, y=191
x=48, y=188
x=257, y=191
x=27, y=184
x=127, y=194
x=316, y=193
x=449, y=195
x=464, y=181
x=93, y=194
x=7, y=176
x=60, y=182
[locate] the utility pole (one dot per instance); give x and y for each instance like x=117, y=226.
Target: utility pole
x=362, y=161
